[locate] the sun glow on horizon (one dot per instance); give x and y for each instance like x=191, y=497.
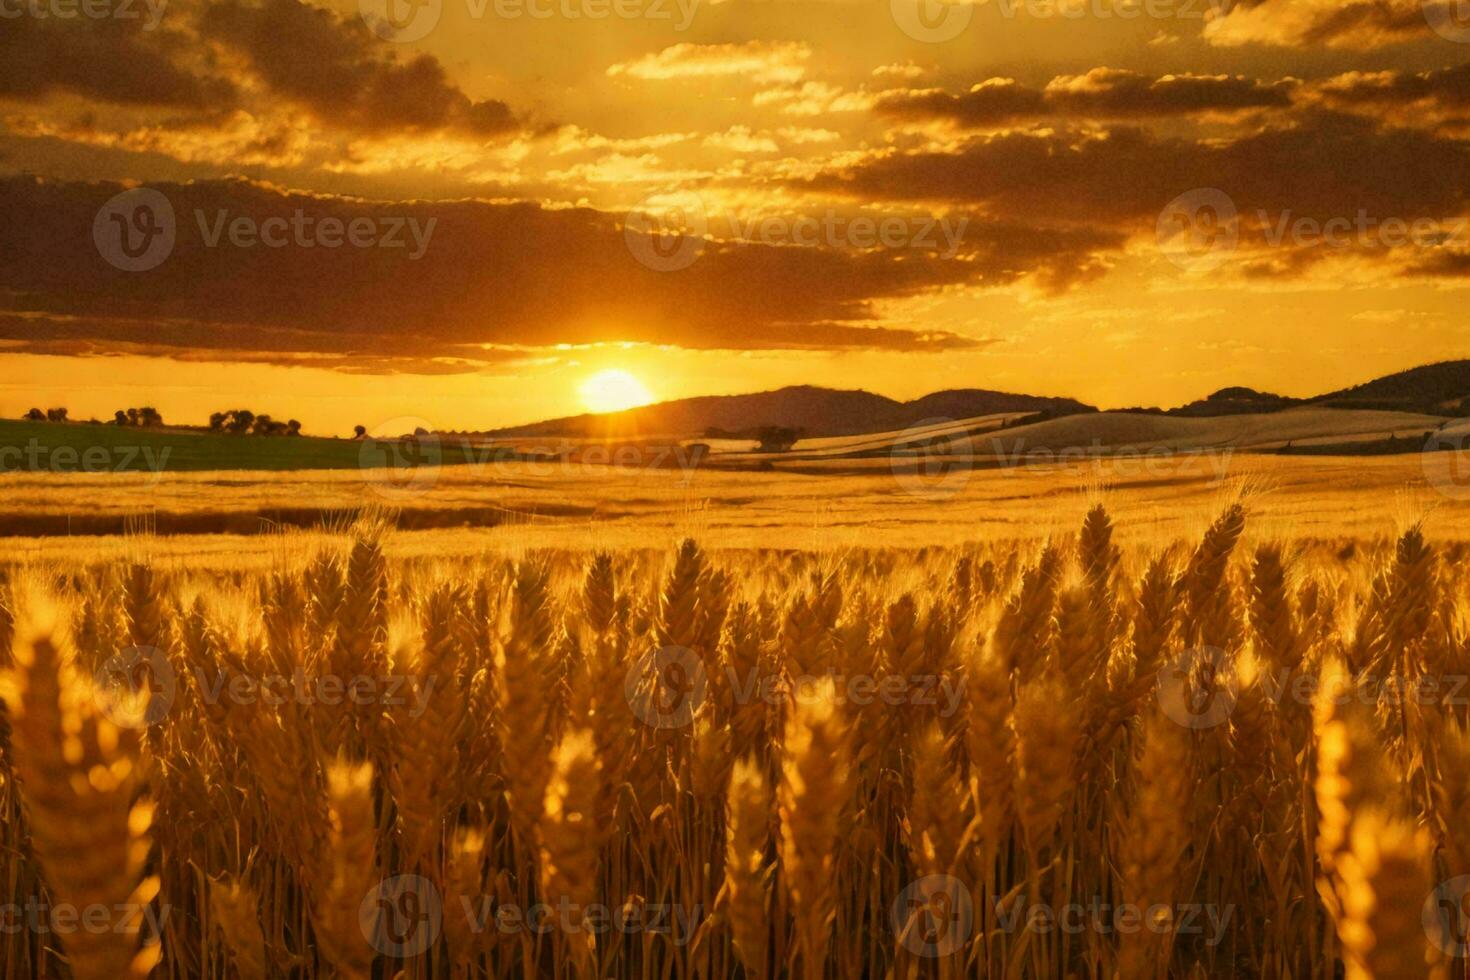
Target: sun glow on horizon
x=614, y=390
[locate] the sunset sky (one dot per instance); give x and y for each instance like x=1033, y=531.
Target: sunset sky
x=450, y=210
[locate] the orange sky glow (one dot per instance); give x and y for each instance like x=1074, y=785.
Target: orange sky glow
x=355, y=212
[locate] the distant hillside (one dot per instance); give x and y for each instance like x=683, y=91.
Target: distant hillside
x=818, y=412
x=1235, y=401
x=1434, y=389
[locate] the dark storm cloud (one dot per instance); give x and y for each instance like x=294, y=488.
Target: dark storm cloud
x=491, y=274
x=1446, y=88
x=1323, y=164
x=205, y=57
x=343, y=73
x=1349, y=24
x=1103, y=93
x=109, y=60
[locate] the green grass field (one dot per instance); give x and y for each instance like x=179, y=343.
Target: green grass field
x=71, y=447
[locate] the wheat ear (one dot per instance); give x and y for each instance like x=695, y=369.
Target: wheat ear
x=812, y=794
x=747, y=876
x=79, y=777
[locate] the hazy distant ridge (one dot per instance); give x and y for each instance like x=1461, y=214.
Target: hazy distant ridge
x=1433, y=389
x=816, y=411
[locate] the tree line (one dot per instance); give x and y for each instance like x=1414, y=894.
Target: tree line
x=243, y=422
x=132, y=418
x=236, y=421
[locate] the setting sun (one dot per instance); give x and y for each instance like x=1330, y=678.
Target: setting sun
x=614, y=390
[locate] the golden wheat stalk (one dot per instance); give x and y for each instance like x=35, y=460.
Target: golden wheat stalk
x=1047, y=737
x=992, y=744
x=524, y=665
x=1153, y=842
x=346, y=871
x=939, y=807
x=1385, y=883
x=79, y=776
x=569, y=835
x=747, y=875
x=424, y=766
x=467, y=928
x=811, y=796
x=235, y=910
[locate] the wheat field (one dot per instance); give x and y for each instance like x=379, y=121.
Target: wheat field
x=1226, y=755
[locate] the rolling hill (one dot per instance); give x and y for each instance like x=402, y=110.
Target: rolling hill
x=1433, y=389
x=817, y=412
x=1441, y=390
x=1235, y=401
